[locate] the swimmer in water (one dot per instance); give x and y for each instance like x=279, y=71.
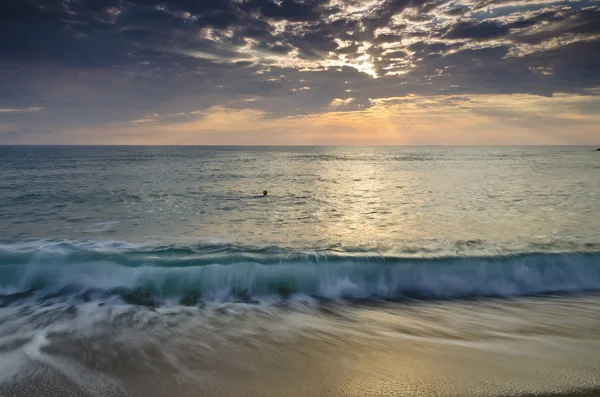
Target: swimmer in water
x=265, y=192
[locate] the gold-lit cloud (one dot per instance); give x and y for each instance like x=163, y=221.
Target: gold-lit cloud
x=410, y=120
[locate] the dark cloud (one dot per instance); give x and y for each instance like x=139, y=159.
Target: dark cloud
x=290, y=10
x=387, y=38
x=561, y=23
x=526, y=23
x=457, y=11
x=477, y=30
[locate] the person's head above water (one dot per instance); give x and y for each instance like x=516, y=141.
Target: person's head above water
x=265, y=192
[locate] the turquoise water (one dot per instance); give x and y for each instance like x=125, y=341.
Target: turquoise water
x=191, y=223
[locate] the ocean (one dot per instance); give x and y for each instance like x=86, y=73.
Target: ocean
x=365, y=271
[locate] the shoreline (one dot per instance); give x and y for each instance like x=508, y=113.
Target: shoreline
x=525, y=347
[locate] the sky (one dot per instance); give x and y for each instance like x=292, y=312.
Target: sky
x=300, y=72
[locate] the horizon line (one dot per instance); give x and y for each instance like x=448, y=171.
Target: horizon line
x=291, y=145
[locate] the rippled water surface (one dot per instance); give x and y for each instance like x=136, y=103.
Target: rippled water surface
x=410, y=199
x=383, y=271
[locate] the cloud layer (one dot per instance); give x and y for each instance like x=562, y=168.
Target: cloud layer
x=69, y=65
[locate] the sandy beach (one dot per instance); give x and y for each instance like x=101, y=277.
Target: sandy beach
x=521, y=347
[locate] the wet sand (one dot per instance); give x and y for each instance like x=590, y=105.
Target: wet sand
x=526, y=347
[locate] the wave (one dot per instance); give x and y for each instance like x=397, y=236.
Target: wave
x=193, y=274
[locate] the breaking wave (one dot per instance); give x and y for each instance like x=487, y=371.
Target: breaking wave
x=43, y=270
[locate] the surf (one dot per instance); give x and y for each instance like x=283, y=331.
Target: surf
x=190, y=275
